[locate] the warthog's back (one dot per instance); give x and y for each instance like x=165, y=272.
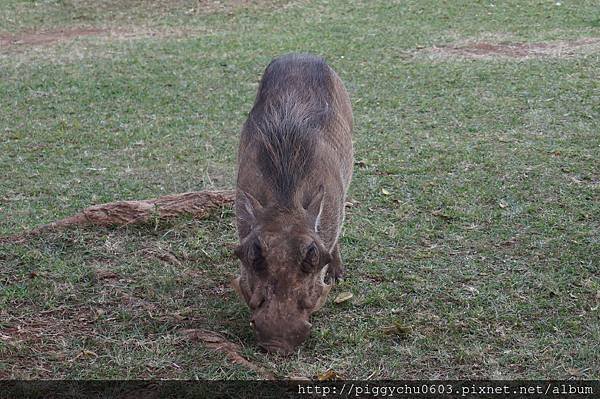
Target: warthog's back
x=297, y=138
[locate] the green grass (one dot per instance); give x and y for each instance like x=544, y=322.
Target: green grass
x=486, y=249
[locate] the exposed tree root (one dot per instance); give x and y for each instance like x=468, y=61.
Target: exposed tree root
x=198, y=204
x=219, y=343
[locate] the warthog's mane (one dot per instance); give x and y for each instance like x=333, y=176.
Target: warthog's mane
x=293, y=106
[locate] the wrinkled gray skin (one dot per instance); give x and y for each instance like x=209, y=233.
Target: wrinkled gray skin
x=294, y=166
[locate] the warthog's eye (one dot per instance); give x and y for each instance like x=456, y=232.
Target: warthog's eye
x=239, y=252
x=255, y=256
x=311, y=259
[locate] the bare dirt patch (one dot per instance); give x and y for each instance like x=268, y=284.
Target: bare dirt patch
x=482, y=50
x=39, y=42
x=47, y=37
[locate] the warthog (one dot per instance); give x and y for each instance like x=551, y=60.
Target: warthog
x=294, y=166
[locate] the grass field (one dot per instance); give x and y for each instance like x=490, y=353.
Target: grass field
x=475, y=222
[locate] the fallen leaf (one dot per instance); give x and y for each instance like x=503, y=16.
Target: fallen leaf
x=439, y=213
x=169, y=257
x=298, y=378
x=89, y=353
x=472, y=290
x=343, y=297
x=509, y=243
x=106, y=274
x=385, y=192
x=179, y=316
x=397, y=329
x=209, y=337
x=329, y=375
x=574, y=372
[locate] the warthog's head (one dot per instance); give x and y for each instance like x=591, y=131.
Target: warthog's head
x=284, y=267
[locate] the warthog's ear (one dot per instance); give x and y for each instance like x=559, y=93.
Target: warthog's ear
x=250, y=206
x=315, y=208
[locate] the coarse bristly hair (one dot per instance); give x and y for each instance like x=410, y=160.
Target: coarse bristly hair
x=292, y=106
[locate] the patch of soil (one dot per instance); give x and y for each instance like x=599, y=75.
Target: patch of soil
x=516, y=50
x=47, y=37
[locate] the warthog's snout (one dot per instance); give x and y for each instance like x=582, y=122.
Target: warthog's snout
x=277, y=347
x=283, y=337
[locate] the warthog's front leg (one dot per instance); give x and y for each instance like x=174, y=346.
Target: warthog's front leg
x=336, y=267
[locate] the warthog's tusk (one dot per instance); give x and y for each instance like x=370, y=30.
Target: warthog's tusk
x=323, y=274
x=235, y=283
